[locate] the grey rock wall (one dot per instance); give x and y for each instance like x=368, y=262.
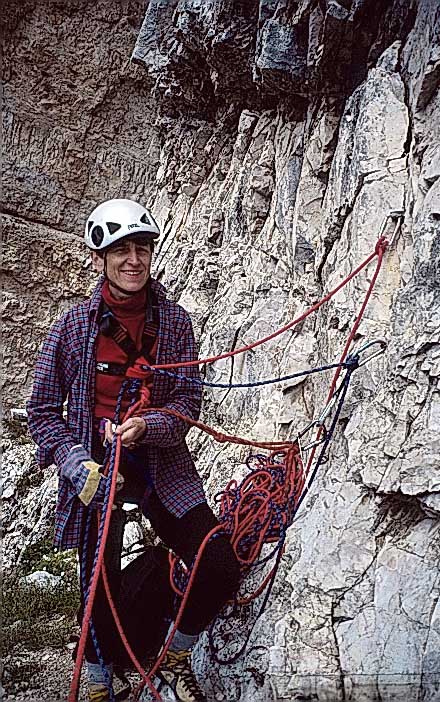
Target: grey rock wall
x=201, y=55
x=355, y=613
x=271, y=169
x=74, y=132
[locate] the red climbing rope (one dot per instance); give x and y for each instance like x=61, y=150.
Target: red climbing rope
x=379, y=252
x=277, y=482
x=124, y=639
x=73, y=695
x=218, y=435
x=381, y=245
x=257, y=491
x=99, y=568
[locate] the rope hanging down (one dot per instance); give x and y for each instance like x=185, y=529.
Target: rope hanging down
x=258, y=511
x=284, y=513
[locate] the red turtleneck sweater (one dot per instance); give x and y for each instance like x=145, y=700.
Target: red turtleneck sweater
x=131, y=313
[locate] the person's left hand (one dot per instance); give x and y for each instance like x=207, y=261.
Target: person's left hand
x=131, y=431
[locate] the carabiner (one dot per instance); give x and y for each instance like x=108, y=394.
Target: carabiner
x=320, y=419
x=397, y=215
x=327, y=409
x=354, y=358
x=312, y=444
x=383, y=345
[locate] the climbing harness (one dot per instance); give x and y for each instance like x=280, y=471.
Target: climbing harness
x=261, y=508
x=138, y=361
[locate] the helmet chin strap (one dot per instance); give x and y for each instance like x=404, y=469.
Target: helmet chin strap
x=129, y=293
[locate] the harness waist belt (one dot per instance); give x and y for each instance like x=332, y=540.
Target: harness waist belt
x=110, y=368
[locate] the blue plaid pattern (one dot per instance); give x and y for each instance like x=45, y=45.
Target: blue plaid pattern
x=66, y=369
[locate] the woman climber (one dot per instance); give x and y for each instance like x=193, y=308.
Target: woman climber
x=89, y=352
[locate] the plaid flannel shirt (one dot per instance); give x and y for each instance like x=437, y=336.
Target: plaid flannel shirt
x=66, y=369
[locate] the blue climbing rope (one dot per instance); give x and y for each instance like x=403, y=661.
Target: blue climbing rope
x=254, y=384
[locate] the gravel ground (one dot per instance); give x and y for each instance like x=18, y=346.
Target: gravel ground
x=39, y=675
x=44, y=675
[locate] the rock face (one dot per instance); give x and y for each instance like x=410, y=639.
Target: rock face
x=75, y=132
x=271, y=168
x=29, y=500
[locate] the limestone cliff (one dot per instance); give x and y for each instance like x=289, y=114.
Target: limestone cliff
x=271, y=139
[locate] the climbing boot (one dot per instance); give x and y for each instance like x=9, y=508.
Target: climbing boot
x=98, y=692
x=176, y=671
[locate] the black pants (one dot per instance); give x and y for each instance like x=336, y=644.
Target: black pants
x=218, y=574
x=216, y=581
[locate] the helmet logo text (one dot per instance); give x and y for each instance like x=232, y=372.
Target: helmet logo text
x=132, y=226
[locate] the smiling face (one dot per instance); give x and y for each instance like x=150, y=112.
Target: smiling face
x=127, y=265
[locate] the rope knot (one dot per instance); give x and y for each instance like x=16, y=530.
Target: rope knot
x=381, y=245
x=352, y=361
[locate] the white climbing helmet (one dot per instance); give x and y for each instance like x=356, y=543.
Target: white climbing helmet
x=115, y=219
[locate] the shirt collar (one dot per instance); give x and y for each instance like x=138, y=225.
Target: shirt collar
x=96, y=297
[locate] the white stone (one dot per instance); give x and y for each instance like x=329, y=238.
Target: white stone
x=133, y=536
x=42, y=578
